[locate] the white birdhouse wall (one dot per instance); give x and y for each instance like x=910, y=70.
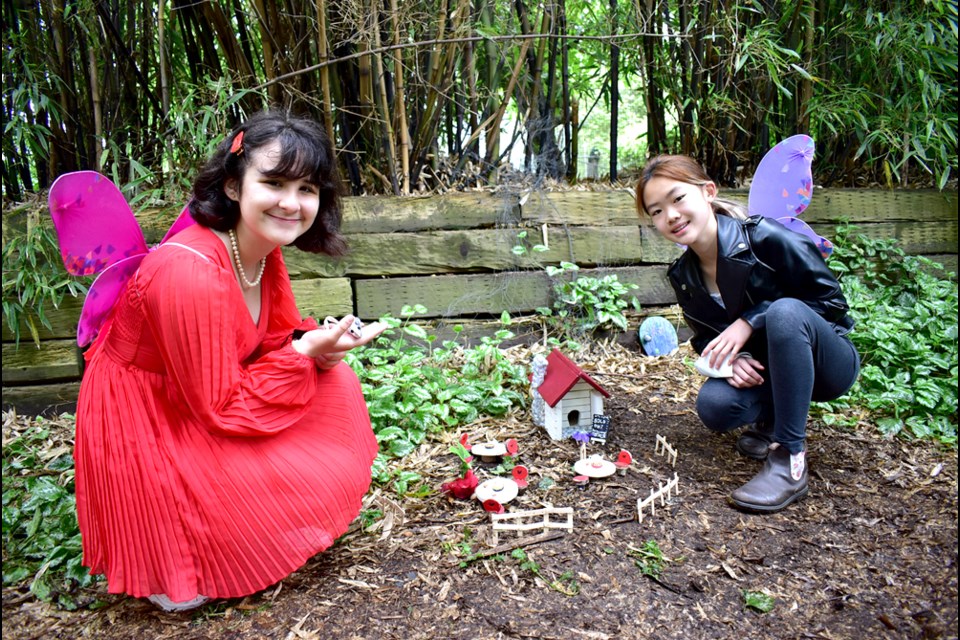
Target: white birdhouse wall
x=574, y=412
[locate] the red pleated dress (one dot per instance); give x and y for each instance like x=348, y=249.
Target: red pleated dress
x=211, y=457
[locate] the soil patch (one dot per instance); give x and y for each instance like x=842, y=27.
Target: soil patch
x=871, y=552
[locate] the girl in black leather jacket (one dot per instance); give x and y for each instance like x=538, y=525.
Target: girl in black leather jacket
x=759, y=298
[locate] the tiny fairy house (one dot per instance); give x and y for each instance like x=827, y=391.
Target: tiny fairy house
x=570, y=397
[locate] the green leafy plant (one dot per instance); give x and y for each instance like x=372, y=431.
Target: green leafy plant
x=414, y=388
x=522, y=249
x=464, y=549
x=649, y=558
x=34, y=279
x=585, y=304
x=566, y=583
x=369, y=517
x=41, y=538
x=758, y=601
x=906, y=333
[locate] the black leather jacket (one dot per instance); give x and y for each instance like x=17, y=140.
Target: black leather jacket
x=758, y=261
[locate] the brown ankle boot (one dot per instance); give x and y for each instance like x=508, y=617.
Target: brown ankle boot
x=782, y=480
x=754, y=442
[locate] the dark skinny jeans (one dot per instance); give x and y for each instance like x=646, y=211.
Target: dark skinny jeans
x=807, y=361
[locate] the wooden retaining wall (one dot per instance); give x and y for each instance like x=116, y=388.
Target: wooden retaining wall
x=455, y=255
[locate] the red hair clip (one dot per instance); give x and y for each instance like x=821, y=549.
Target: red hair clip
x=237, y=146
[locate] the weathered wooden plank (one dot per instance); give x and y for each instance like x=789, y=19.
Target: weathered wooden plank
x=321, y=297
x=826, y=205
x=655, y=247
x=469, y=250
x=613, y=208
x=383, y=214
x=42, y=399
x=914, y=237
x=917, y=238
x=513, y=291
x=316, y=297
x=63, y=322
x=871, y=205
x=947, y=261
x=56, y=360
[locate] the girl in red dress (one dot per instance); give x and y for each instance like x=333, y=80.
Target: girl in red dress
x=221, y=442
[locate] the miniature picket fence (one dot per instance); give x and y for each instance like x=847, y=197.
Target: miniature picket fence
x=516, y=521
x=663, y=448
x=663, y=493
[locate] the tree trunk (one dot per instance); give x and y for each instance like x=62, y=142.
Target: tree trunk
x=614, y=91
x=95, y=100
x=568, y=152
x=323, y=53
x=400, y=101
x=806, y=83
x=383, y=104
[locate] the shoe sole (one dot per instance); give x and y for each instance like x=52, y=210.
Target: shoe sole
x=763, y=508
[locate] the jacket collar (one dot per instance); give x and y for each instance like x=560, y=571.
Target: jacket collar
x=734, y=263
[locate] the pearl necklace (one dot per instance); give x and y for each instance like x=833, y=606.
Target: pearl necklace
x=236, y=259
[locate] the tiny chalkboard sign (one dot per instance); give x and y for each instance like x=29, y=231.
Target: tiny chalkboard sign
x=600, y=428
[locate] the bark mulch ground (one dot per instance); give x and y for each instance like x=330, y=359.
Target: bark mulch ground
x=870, y=553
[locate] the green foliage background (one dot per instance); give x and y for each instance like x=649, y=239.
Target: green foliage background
x=906, y=309
x=874, y=83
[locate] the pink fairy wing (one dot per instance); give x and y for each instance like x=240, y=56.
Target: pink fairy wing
x=94, y=223
x=102, y=295
x=183, y=221
x=801, y=227
x=783, y=183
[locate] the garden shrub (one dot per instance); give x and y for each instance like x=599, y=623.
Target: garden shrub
x=905, y=308
x=414, y=388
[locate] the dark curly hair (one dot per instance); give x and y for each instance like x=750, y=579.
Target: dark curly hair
x=305, y=151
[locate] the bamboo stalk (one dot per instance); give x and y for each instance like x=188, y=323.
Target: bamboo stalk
x=95, y=99
x=383, y=104
x=162, y=55
x=269, y=67
x=533, y=108
x=324, y=54
x=493, y=136
x=426, y=133
x=400, y=99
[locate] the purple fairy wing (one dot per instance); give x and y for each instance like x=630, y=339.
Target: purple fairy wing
x=102, y=295
x=94, y=223
x=783, y=183
x=801, y=227
x=183, y=221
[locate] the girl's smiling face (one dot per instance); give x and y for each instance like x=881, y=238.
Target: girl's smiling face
x=682, y=212
x=274, y=210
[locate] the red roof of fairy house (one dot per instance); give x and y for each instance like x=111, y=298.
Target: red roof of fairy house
x=562, y=374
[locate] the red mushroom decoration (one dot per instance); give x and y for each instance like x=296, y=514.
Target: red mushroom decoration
x=512, y=448
x=520, y=474
x=492, y=506
x=581, y=481
x=624, y=460
x=462, y=488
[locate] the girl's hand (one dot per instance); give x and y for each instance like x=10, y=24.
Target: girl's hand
x=729, y=342
x=326, y=361
x=746, y=373
x=333, y=341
